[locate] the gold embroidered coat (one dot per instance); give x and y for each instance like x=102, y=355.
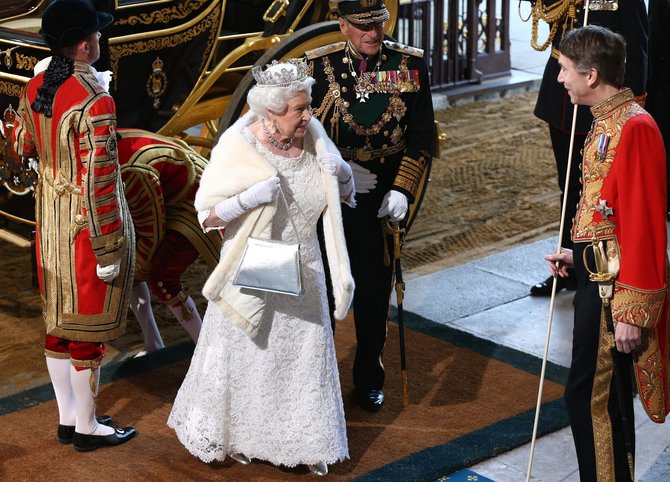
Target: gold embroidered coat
x=81, y=212
x=623, y=204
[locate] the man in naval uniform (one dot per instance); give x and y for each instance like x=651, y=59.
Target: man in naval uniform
x=85, y=239
x=620, y=260
x=626, y=17
x=373, y=97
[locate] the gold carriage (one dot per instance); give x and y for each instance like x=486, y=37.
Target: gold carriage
x=180, y=68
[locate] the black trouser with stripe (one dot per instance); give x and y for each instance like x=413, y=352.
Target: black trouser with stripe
x=365, y=243
x=585, y=383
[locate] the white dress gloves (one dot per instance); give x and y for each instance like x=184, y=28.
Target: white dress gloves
x=364, y=180
x=334, y=165
x=109, y=272
x=394, y=206
x=260, y=193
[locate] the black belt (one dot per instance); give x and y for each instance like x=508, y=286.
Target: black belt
x=364, y=154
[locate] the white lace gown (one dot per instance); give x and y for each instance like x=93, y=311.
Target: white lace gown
x=276, y=397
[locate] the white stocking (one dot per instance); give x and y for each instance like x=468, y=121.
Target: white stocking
x=140, y=304
x=188, y=316
x=59, y=372
x=85, y=391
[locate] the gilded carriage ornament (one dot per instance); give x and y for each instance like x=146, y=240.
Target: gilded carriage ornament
x=9, y=117
x=7, y=57
x=16, y=173
x=157, y=82
x=164, y=15
x=25, y=62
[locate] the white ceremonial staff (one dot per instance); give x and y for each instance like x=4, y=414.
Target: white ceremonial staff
x=553, y=286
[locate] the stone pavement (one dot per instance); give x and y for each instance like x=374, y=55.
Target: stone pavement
x=489, y=298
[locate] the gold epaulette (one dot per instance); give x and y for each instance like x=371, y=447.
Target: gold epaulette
x=405, y=49
x=325, y=50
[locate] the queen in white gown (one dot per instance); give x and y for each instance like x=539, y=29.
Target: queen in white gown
x=263, y=381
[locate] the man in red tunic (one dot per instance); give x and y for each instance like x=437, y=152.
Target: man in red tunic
x=85, y=238
x=620, y=260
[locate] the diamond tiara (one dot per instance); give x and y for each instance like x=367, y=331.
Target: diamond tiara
x=280, y=74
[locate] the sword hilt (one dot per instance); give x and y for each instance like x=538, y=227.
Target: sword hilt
x=600, y=274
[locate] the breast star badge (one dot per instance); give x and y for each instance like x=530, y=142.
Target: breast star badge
x=604, y=210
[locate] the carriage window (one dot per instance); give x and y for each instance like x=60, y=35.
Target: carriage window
x=12, y=8
x=22, y=14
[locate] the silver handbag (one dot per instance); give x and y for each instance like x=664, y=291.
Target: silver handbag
x=271, y=265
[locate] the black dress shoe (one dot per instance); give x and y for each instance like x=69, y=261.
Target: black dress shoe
x=544, y=288
x=87, y=443
x=66, y=432
x=370, y=400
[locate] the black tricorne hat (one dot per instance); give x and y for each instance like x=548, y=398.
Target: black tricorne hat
x=66, y=22
x=363, y=12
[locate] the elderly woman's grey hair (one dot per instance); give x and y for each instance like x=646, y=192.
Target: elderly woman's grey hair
x=272, y=92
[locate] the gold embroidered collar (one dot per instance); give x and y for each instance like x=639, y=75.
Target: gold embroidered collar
x=614, y=102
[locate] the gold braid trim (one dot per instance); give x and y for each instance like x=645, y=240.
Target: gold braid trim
x=649, y=372
x=409, y=174
x=56, y=354
x=59, y=187
x=562, y=10
x=600, y=395
x=636, y=306
x=93, y=365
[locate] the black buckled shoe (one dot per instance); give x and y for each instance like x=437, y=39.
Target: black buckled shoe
x=544, y=288
x=66, y=432
x=86, y=443
x=370, y=400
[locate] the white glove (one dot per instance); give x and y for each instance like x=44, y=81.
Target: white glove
x=394, y=206
x=364, y=180
x=334, y=165
x=109, y=272
x=260, y=193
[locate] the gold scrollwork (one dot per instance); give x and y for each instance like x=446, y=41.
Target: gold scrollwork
x=25, y=62
x=164, y=15
x=117, y=52
x=10, y=88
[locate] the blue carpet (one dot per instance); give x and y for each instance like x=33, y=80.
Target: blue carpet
x=433, y=463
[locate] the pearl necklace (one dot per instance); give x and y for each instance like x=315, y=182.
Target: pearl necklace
x=275, y=142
